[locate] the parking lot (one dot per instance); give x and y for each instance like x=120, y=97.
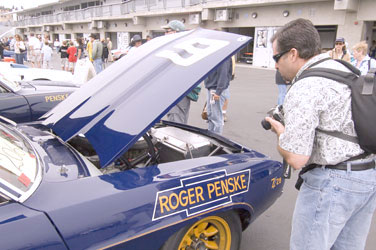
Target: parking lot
x=253, y=93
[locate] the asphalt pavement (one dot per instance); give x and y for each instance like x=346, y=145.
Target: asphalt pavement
x=253, y=93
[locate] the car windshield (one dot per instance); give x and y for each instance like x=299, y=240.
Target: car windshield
x=18, y=165
x=14, y=86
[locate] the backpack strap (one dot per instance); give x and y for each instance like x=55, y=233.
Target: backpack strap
x=340, y=135
x=336, y=75
x=369, y=64
x=339, y=76
x=349, y=66
x=369, y=82
x=319, y=61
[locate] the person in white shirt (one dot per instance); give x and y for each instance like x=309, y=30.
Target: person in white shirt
x=57, y=45
x=19, y=49
x=46, y=55
x=35, y=54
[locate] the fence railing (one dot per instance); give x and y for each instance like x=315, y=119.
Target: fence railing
x=111, y=10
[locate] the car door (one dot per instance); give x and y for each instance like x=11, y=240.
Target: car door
x=14, y=106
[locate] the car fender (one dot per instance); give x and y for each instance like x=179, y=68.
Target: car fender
x=16, y=219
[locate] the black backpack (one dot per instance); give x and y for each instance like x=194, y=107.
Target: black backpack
x=363, y=101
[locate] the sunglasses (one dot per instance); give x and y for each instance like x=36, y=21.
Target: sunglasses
x=339, y=43
x=279, y=55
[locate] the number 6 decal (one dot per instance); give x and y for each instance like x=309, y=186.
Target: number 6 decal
x=191, y=51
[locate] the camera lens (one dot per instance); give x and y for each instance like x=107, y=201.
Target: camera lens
x=266, y=125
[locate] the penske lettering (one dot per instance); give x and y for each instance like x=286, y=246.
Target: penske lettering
x=200, y=193
x=56, y=98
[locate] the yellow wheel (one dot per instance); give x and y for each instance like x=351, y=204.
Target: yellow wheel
x=210, y=233
x=219, y=232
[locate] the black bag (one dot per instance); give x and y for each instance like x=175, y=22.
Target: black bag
x=363, y=102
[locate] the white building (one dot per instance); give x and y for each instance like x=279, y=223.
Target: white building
x=355, y=20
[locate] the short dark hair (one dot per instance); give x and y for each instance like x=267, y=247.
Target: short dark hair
x=301, y=35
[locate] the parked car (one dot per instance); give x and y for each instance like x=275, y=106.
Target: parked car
x=28, y=100
x=21, y=72
x=119, y=53
x=102, y=171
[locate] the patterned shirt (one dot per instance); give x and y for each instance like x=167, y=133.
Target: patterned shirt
x=316, y=102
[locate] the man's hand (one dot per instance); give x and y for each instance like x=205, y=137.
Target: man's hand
x=277, y=127
x=216, y=97
x=294, y=160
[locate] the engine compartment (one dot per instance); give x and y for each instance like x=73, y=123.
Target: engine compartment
x=161, y=144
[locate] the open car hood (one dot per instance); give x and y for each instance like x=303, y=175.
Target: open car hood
x=121, y=103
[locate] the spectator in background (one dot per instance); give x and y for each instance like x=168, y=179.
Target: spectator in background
x=217, y=85
x=80, y=49
x=89, y=48
x=148, y=38
x=362, y=61
x=35, y=47
x=46, y=38
x=226, y=94
x=64, y=56
x=40, y=40
x=12, y=41
x=26, y=53
x=57, y=45
x=104, y=52
x=6, y=42
x=19, y=49
x=72, y=58
x=340, y=51
x=372, y=50
x=109, y=47
x=180, y=112
x=2, y=47
x=97, y=53
x=46, y=55
x=136, y=42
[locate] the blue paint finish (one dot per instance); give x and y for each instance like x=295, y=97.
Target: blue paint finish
x=14, y=107
x=23, y=228
x=58, y=160
x=32, y=100
x=120, y=91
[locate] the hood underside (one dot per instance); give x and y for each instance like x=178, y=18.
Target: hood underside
x=117, y=106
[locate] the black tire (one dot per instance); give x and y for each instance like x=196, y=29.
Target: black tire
x=233, y=227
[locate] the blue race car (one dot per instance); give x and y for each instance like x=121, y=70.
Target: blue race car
x=102, y=171
x=27, y=101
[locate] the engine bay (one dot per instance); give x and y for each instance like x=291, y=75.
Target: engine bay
x=161, y=144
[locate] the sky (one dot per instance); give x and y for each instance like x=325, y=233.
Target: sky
x=25, y=3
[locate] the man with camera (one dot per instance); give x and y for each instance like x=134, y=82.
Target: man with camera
x=337, y=199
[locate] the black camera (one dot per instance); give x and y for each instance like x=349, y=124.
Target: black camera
x=277, y=114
